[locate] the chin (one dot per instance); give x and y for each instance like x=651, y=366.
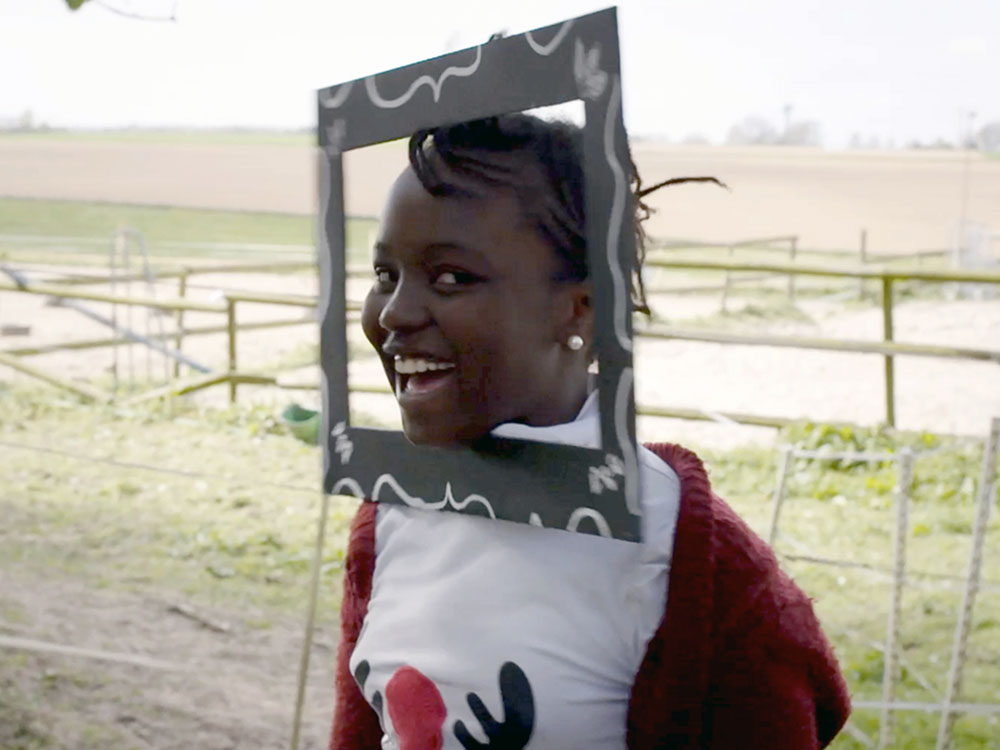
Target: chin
x=429, y=437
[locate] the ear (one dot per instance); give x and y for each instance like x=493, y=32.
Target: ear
x=575, y=315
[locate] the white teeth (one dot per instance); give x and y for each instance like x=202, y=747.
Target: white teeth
x=412, y=365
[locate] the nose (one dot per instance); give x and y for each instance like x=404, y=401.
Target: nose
x=405, y=310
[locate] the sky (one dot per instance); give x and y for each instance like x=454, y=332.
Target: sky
x=896, y=70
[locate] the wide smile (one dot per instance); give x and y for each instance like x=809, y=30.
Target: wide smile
x=419, y=378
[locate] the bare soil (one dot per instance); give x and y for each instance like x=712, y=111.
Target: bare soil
x=229, y=689
x=907, y=200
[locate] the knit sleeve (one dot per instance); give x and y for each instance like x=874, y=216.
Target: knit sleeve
x=355, y=724
x=774, y=681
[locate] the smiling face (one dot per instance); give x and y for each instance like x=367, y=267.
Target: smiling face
x=470, y=317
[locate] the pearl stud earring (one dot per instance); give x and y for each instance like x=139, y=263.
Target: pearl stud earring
x=575, y=342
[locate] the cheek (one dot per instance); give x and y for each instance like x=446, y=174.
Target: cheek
x=370, y=311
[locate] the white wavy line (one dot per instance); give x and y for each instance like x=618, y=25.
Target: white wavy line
x=580, y=513
x=335, y=100
x=628, y=449
x=428, y=80
x=617, y=212
x=351, y=484
x=462, y=505
x=413, y=502
x=547, y=49
x=324, y=257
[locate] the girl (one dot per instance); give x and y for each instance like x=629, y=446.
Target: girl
x=462, y=632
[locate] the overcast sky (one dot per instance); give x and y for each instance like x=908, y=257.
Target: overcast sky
x=900, y=70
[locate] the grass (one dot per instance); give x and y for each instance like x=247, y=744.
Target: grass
x=161, y=226
x=239, y=533
x=237, y=523
x=845, y=511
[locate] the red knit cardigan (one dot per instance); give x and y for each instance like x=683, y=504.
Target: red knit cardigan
x=739, y=660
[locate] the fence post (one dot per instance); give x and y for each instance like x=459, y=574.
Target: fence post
x=887, y=336
x=231, y=330
x=779, y=493
x=315, y=572
x=904, y=485
x=864, y=261
x=985, y=502
x=182, y=282
x=792, y=249
x=725, y=285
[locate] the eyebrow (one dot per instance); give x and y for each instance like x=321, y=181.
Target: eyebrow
x=437, y=248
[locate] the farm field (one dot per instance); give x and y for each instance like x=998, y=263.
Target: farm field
x=907, y=200
x=181, y=531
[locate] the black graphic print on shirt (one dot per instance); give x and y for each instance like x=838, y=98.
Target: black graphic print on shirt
x=418, y=713
x=518, y=714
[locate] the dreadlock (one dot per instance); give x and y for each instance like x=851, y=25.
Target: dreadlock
x=542, y=162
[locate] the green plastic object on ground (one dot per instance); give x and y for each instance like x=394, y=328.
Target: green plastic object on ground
x=303, y=423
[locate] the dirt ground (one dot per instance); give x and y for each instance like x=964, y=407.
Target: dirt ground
x=216, y=690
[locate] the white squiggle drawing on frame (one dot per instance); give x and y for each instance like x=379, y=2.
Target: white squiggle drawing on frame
x=349, y=484
x=622, y=393
x=388, y=480
x=424, y=80
x=617, y=212
x=547, y=49
x=581, y=513
x=332, y=101
x=463, y=504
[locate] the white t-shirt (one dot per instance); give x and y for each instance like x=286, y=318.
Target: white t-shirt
x=546, y=628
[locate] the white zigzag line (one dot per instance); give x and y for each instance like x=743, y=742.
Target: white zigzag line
x=547, y=49
x=617, y=211
x=419, y=502
x=628, y=449
x=573, y=524
x=461, y=505
x=428, y=80
x=332, y=101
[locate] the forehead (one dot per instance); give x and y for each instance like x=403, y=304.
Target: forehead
x=482, y=216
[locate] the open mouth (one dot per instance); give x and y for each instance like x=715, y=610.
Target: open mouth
x=420, y=375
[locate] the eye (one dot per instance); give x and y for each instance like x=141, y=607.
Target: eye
x=384, y=278
x=448, y=280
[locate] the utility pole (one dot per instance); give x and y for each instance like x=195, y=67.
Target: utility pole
x=968, y=144
x=788, y=122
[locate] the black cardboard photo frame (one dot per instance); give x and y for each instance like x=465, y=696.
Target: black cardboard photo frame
x=555, y=486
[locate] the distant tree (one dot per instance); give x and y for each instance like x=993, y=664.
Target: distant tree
x=988, y=138
x=695, y=139
x=753, y=131
x=75, y=4
x=26, y=121
x=802, y=133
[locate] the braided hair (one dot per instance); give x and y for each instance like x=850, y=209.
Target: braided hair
x=542, y=163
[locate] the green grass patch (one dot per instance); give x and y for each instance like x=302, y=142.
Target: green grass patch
x=844, y=510
x=168, y=231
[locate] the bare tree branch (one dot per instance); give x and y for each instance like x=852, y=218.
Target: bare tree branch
x=172, y=18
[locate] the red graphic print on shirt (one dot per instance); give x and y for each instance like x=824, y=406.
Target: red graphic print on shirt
x=416, y=710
